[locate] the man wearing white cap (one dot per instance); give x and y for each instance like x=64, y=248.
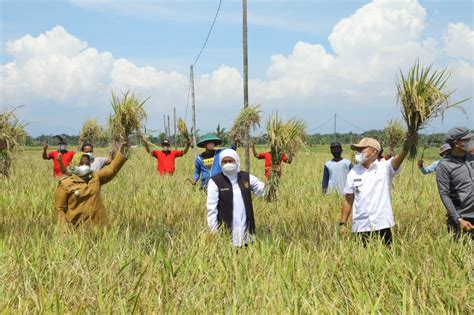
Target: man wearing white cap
x=368, y=192
x=229, y=198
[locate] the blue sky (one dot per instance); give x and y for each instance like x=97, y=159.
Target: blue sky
x=165, y=36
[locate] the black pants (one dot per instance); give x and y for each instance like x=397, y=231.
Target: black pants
x=385, y=235
x=453, y=227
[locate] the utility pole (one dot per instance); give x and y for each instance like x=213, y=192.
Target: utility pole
x=174, y=136
x=169, y=128
x=164, y=127
x=335, y=119
x=194, y=113
x=246, y=79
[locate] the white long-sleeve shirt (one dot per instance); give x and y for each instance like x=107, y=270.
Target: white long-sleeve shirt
x=239, y=218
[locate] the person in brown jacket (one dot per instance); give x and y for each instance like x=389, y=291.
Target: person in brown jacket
x=78, y=198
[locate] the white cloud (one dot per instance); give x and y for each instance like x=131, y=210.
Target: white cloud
x=56, y=72
x=459, y=41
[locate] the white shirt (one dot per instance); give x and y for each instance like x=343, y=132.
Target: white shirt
x=372, y=208
x=337, y=175
x=239, y=218
x=98, y=163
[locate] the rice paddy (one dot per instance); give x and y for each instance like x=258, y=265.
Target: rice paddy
x=156, y=255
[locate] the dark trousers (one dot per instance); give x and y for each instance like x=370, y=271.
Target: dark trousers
x=453, y=227
x=385, y=235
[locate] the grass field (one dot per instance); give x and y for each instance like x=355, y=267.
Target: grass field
x=156, y=255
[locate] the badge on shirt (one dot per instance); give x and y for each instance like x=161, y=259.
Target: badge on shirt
x=246, y=184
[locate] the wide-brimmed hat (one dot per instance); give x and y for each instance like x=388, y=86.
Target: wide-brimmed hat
x=444, y=148
x=209, y=138
x=365, y=143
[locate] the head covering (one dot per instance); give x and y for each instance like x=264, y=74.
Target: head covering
x=444, y=147
x=229, y=153
x=61, y=139
x=367, y=142
x=209, y=138
x=87, y=144
x=335, y=144
x=458, y=133
x=165, y=142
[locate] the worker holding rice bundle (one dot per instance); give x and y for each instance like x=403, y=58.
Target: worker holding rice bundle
x=66, y=156
x=368, y=192
x=78, y=197
x=455, y=179
x=267, y=156
x=166, y=157
x=443, y=151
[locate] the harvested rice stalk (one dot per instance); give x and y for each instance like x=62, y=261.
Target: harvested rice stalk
x=394, y=133
x=423, y=95
x=183, y=130
x=91, y=132
x=127, y=119
x=246, y=121
x=12, y=133
x=285, y=137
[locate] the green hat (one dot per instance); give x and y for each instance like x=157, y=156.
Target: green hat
x=208, y=138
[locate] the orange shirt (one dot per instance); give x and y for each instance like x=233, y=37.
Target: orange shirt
x=268, y=161
x=166, y=161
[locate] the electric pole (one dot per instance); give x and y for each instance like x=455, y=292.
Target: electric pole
x=246, y=79
x=174, y=136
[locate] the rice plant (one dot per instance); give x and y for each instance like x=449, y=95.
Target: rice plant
x=247, y=120
x=394, y=133
x=285, y=137
x=127, y=119
x=423, y=95
x=91, y=132
x=12, y=133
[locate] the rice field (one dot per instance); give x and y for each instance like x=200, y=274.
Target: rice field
x=156, y=256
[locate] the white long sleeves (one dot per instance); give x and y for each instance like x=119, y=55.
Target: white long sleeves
x=239, y=217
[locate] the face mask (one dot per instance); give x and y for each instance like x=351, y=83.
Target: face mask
x=91, y=155
x=83, y=170
x=360, y=157
x=62, y=147
x=230, y=169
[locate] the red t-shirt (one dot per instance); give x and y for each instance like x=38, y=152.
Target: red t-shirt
x=67, y=158
x=166, y=161
x=268, y=161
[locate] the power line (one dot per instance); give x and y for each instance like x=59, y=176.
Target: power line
x=348, y=122
x=322, y=125
x=209, y=33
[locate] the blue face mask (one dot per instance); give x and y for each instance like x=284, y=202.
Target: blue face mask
x=62, y=147
x=91, y=155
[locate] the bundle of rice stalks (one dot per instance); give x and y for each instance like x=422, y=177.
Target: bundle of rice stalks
x=394, y=133
x=12, y=133
x=183, y=130
x=248, y=120
x=423, y=95
x=285, y=137
x=92, y=132
x=127, y=118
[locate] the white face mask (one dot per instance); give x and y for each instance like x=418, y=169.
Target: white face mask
x=83, y=170
x=360, y=157
x=230, y=169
